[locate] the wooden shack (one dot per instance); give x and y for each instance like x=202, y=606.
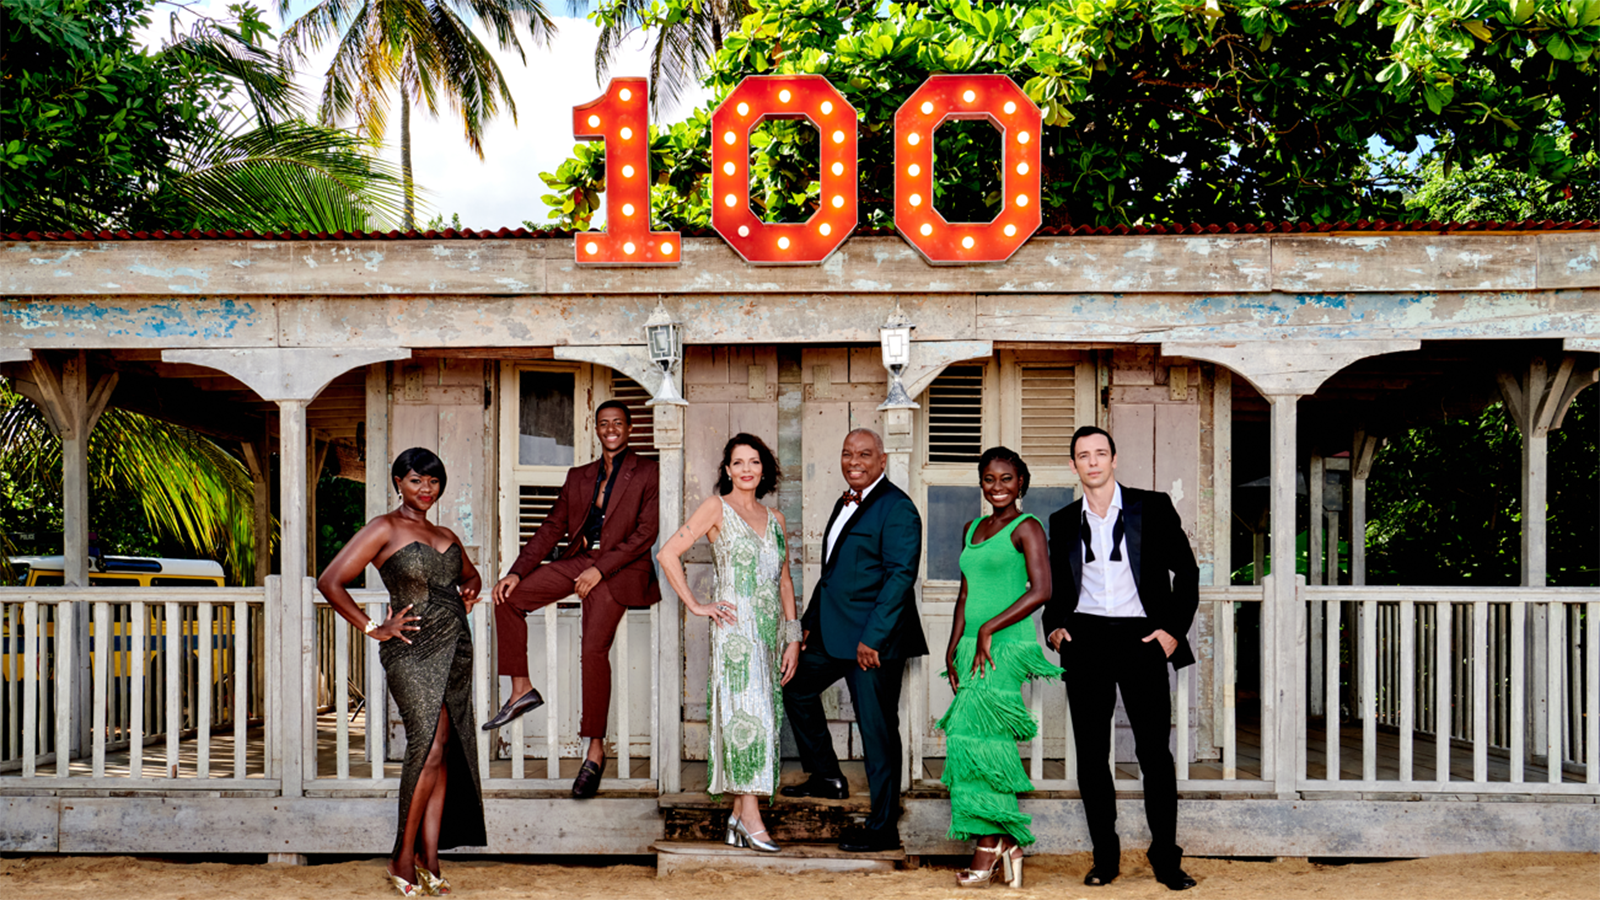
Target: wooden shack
x=1324, y=718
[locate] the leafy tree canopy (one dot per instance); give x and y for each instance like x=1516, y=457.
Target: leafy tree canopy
x=1160, y=110
x=97, y=131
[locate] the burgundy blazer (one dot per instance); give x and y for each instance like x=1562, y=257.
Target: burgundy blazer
x=626, y=538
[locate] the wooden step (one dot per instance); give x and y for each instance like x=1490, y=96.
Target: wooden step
x=690, y=856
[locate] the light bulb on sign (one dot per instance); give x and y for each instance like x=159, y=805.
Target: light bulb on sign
x=736, y=219
x=938, y=99
x=627, y=238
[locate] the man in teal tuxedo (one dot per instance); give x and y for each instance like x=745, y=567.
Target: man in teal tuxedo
x=861, y=625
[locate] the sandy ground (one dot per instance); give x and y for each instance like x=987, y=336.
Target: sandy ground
x=1508, y=875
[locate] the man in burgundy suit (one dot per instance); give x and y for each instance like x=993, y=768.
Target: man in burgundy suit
x=607, y=512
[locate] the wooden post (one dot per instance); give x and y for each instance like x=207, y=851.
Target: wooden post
x=1282, y=656
x=293, y=642
x=71, y=403
x=1314, y=624
x=379, y=487
x=669, y=649
x=258, y=458
x=1364, y=448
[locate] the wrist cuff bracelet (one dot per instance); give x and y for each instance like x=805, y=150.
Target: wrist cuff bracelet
x=791, y=631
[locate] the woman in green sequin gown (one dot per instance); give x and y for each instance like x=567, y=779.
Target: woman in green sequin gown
x=753, y=602
x=1005, y=576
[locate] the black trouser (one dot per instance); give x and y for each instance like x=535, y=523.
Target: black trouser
x=1106, y=654
x=875, y=693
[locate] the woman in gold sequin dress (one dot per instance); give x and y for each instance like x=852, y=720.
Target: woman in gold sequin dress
x=755, y=640
x=426, y=649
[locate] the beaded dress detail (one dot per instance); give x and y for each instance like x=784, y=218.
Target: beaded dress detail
x=742, y=694
x=434, y=671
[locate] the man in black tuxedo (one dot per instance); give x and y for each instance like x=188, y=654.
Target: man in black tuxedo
x=1126, y=591
x=861, y=625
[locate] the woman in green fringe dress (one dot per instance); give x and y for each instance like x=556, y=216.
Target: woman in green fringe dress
x=1005, y=576
x=755, y=642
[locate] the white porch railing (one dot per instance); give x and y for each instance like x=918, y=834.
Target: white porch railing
x=1457, y=668
x=338, y=762
x=179, y=667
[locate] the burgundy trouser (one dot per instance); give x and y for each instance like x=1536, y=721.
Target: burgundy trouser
x=601, y=614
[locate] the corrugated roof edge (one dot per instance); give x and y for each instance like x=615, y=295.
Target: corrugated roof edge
x=1363, y=225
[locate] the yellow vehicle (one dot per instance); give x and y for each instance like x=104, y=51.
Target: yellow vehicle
x=121, y=571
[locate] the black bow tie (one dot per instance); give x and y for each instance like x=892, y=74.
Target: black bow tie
x=1116, y=538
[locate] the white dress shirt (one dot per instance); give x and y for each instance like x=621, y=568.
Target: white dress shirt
x=845, y=512
x=1108, y=588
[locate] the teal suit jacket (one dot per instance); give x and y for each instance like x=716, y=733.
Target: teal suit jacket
x=867, y=593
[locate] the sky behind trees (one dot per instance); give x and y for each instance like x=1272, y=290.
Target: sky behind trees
x=503, y=189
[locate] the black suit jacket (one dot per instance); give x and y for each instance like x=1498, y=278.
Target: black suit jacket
x=1158, y=550
x=867, y=593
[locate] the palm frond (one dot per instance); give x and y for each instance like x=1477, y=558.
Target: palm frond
x=189, y=488
x=265, y=77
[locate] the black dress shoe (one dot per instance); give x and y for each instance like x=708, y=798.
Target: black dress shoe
x=867, y=841
x=587, y=784
x=817, y=786
x=514, y=708
x=1177, y=880
x=1099, y=877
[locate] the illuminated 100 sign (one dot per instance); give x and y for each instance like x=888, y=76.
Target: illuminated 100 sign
x=620, y=118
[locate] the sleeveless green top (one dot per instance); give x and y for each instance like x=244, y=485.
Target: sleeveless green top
x=997, y=574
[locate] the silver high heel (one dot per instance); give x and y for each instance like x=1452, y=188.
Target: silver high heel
x=732, y=839
x=1013, y=864
x=746, y=839
x=980, y=878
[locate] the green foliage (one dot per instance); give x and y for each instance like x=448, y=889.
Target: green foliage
x=1444, y=502
x=203, y=133
x=152, y=485
x=88, y=117
x=1175, y=110
x=1488, y=192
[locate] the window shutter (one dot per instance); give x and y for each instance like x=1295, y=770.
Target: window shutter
x=643, y=439
x=533, y=507
x=955, y=415
x=1049, y=404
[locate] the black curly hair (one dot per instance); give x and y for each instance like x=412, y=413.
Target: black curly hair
x=770, y=473
x=1006, y=455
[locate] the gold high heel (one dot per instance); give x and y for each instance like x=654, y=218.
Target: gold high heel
x=1013, y=864
x=978, y=878
x=406, y=888
x=433, y=885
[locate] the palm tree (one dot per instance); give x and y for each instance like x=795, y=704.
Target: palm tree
x=189, y=488
x=261, y=165
x=426, y=48
x=683, y=49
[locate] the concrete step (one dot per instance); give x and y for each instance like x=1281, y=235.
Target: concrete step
x=689, y=856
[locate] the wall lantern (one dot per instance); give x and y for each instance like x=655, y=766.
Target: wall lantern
x=895, y=337
x=665, y=339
